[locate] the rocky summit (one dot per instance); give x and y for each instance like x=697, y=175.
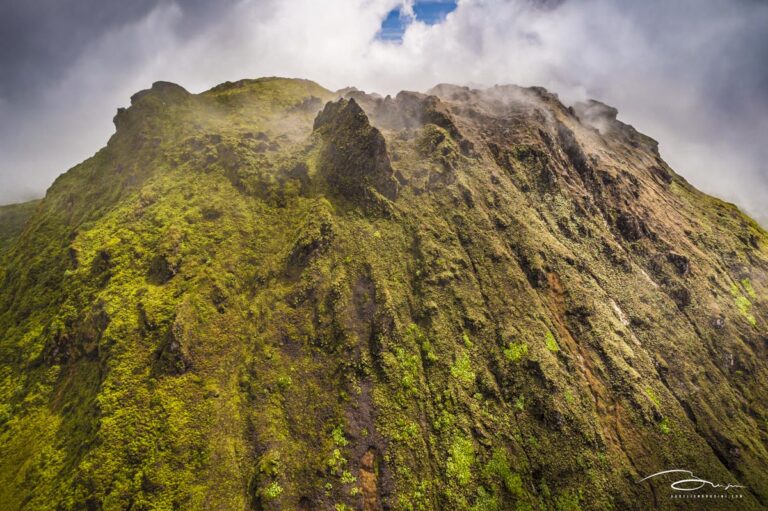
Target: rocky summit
x=272, y=296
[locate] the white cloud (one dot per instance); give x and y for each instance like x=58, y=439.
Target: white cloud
x=661, y=64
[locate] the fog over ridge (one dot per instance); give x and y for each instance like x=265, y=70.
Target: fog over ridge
x=690, y=74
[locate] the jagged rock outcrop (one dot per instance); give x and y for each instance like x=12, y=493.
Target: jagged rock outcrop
x=354, y=160
x=272, y=296
x=159, y=96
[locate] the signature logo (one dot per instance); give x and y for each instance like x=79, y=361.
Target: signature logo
x=690, y=482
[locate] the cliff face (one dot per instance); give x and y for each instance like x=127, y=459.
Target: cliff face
x=266, y=297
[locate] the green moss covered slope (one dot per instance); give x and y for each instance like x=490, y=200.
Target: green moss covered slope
x=267, y=297
x=13, y=217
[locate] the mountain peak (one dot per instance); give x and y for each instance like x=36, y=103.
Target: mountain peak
x=274, y=296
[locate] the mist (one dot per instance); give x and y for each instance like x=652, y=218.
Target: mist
x=690, y=74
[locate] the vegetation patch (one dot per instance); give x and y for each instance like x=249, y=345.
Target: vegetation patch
x=516, y=351
x=743, y=304
x=550, y=342
x=462, y=369
x=460, y=460
x=653, y=397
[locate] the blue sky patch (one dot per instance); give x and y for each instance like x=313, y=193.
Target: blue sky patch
x=429, y=12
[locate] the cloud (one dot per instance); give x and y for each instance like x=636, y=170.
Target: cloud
x=689, y=73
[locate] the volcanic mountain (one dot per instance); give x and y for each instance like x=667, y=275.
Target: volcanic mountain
x=273, y=296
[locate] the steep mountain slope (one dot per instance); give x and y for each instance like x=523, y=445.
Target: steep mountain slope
x=267, y=297
x=12, y=220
